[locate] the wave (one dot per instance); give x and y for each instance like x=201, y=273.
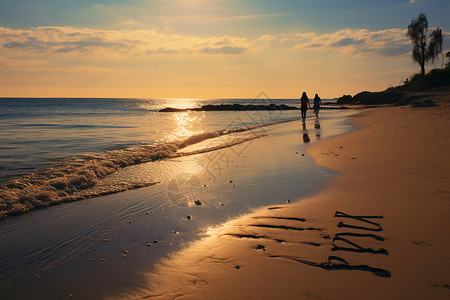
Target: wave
x=80, y=177
x=70, y=126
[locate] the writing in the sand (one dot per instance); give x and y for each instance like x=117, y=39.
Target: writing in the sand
x=363, y=229
x=346, y=241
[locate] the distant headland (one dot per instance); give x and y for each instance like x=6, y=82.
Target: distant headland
x=418, y=91
x=239, y=107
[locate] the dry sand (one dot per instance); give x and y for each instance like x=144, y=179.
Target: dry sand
x=396, y=166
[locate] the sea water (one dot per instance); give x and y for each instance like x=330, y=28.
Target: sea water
x=34, y=133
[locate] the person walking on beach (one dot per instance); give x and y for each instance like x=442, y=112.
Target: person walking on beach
x=304, y=105
x=317, y=105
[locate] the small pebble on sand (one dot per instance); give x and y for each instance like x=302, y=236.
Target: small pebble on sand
x=261, y=247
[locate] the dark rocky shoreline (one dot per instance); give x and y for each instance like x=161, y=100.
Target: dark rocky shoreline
x=397, y=98
x=240, y=107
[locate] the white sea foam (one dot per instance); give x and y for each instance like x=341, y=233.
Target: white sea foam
x=81, y=176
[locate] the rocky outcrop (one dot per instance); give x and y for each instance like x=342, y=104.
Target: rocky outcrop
x=394, y=98
x=232, y=107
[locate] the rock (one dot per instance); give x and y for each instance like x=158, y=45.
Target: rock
x=231, y=107
x=197, y=202
x=346, y=99
x=237, y=267
x=189, y=217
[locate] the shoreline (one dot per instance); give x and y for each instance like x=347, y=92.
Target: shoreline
x=395, y=166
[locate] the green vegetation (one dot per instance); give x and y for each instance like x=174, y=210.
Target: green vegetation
x=433, y=79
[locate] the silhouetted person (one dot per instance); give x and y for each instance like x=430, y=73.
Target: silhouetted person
x=317, y=105
x=304, y=105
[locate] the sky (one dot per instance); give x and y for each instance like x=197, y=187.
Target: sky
x=208, y=48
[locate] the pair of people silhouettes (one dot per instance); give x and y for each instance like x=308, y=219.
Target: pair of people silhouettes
x=305, y=105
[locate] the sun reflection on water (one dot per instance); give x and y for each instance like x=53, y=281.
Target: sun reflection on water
x=186, y=125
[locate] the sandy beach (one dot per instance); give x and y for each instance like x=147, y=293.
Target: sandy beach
x=379, y=230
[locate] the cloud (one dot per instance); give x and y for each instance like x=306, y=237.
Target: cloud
x=347, y=42
x=45, y=42
x=227, y=50
x=51, y=41
x=389, y=42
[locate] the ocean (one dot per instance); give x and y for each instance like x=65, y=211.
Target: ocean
x=38, y=132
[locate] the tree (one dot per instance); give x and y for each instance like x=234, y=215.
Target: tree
x=425, y=47
x=448, y=56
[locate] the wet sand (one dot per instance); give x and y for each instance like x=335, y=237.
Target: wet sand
x=380, y=230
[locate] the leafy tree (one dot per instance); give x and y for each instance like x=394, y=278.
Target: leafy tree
x=425, y=47
x=448, y=56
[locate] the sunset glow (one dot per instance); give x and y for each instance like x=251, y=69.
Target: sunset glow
x=207, y=49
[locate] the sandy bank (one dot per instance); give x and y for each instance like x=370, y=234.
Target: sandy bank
x=395, y=167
